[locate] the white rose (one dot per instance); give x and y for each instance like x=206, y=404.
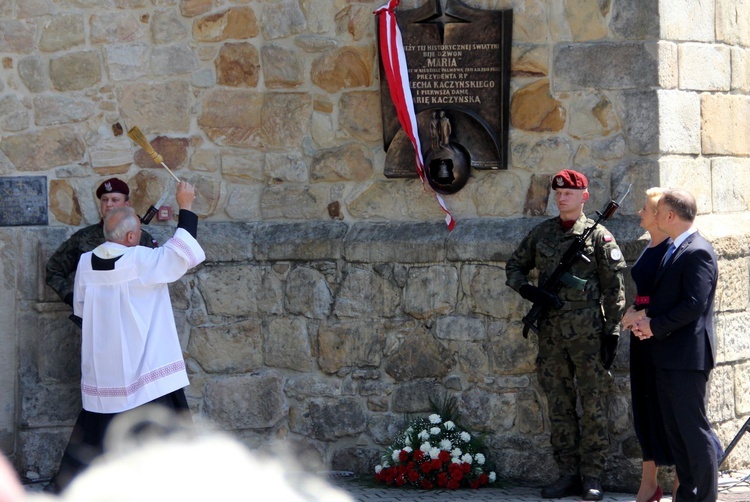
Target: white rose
x=465, y=437
x=407, y=440
x=493, y=477
x=446, y=445
x=434, y=453
x=449, y=426
x=456, y=452
x=424, y=435
x=467, y=458
x=408, y=449
x=378, y=468
x=479, y=458
x=455, y=460
x=395, y=454
x=425, y=448
x=435, y=431
x=435, y=418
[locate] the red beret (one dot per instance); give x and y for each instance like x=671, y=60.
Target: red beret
x=112, y=185
x=567, y=178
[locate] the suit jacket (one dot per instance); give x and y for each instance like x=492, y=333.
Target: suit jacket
x=682, y=308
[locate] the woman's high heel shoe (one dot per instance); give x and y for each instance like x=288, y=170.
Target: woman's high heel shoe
x=656, y=497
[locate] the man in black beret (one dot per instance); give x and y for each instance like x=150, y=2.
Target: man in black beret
x=62, y=265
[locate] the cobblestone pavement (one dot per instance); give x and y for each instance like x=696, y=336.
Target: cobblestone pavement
x=733, y=487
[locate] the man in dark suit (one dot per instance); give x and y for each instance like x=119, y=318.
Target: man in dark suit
x=680, y=319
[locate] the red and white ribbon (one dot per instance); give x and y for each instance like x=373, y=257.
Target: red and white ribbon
x=396, y=73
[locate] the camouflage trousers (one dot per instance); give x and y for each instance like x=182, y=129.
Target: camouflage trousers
x=569, y=367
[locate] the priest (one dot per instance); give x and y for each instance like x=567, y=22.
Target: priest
x=130, y=351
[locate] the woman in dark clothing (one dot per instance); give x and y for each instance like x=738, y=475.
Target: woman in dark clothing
x=649, y=428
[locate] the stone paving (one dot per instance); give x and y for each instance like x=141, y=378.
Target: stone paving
x=733, y=487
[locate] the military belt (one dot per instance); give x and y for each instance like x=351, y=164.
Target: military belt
x=579, y=305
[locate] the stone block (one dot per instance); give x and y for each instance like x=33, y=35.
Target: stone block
x=492, y=240
x=307, y=293
x=43, y=149
x=733, y=22
x=33, y=73
x=345, y=345
x=48, y=405
x=385, y=427
x=500, y=194
x=299, y=241
x=282, y=68
x=238, y=65
x=245, y=402
x=486, y=291
x=358, y=460
x=114, y=26
x=367, y=293
x=173, y=59
x=533, y=108
x=349, y=162
x=740, y=391
x=642, y=174
x=431, y=291
x=39, y=452
x=680, y=127
x=231, y=348
x=420, y=355
x=395, y=242
x=510, y=353
x=730, y=179
x=639, y=117
x=282, y=20
x=605, y=66
x=484, y=411
x=286, y=344
x=243, y=204
x=461, y=328
x=14, y=116
x=59, y=360
x=415, y=396
x=18, y=35
x=635, y=20
x=687, y=20
x=733, y=344
x=337, y=418
x=242, y=167
x=166, y=27
x=344, y=68
x=241, y=290
x=668, y=64
x=63, y=32
x=156, y=107
x=304, y=387
x=741, y=70
x=693, y=61
x=356, y=113
x=690, y=173
x=721, y=113
x=235, y=23
x=720, y=394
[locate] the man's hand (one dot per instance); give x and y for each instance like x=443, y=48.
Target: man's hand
x=185, y=195
x=540, y=297
x=642, y=328
x=631, y=316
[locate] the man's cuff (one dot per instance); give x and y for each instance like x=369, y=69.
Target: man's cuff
x=188, y=220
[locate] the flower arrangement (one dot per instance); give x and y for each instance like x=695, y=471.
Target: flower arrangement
x=432, y=453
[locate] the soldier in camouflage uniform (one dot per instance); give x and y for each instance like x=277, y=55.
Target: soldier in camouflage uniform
x=578, y=340
x=62, y=265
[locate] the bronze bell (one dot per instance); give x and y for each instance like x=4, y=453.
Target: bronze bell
x=444, y=174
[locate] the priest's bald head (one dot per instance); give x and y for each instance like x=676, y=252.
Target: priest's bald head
x=122, y=226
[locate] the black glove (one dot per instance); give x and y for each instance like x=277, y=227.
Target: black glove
x=608, y=350
x=69, y=299
x=540, y=297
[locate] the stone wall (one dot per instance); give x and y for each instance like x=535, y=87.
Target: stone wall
x=356, y=303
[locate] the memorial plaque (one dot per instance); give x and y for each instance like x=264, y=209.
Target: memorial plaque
x=23, y=201
x=458, y=62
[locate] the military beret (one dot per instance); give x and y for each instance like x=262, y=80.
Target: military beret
x=567, y=178
x=112, y=185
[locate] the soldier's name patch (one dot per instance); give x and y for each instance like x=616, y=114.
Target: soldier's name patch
x=615, y=254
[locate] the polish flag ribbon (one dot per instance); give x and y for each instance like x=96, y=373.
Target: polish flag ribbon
x=397, y=76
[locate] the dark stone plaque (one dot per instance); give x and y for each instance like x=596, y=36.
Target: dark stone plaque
x=458, y=61
x=23, y=201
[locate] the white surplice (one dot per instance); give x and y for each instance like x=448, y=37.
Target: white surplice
x=130, y=351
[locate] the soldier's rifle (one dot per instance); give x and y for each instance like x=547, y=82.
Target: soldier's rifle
x=561, y=276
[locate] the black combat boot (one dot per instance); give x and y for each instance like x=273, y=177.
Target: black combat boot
x=565, y=486
x=592, y=488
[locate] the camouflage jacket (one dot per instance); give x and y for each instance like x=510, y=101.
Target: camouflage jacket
x=544, y=247
x=62, y=265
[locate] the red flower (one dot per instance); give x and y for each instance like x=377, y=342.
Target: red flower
x=442, y=480
x=413, y=476
x=426, y=467
x=484, y=479
x=454, y=484
x=444, y=456
x=426, y=484
x=418, y=455
x=403, y=456
x=436, y=464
